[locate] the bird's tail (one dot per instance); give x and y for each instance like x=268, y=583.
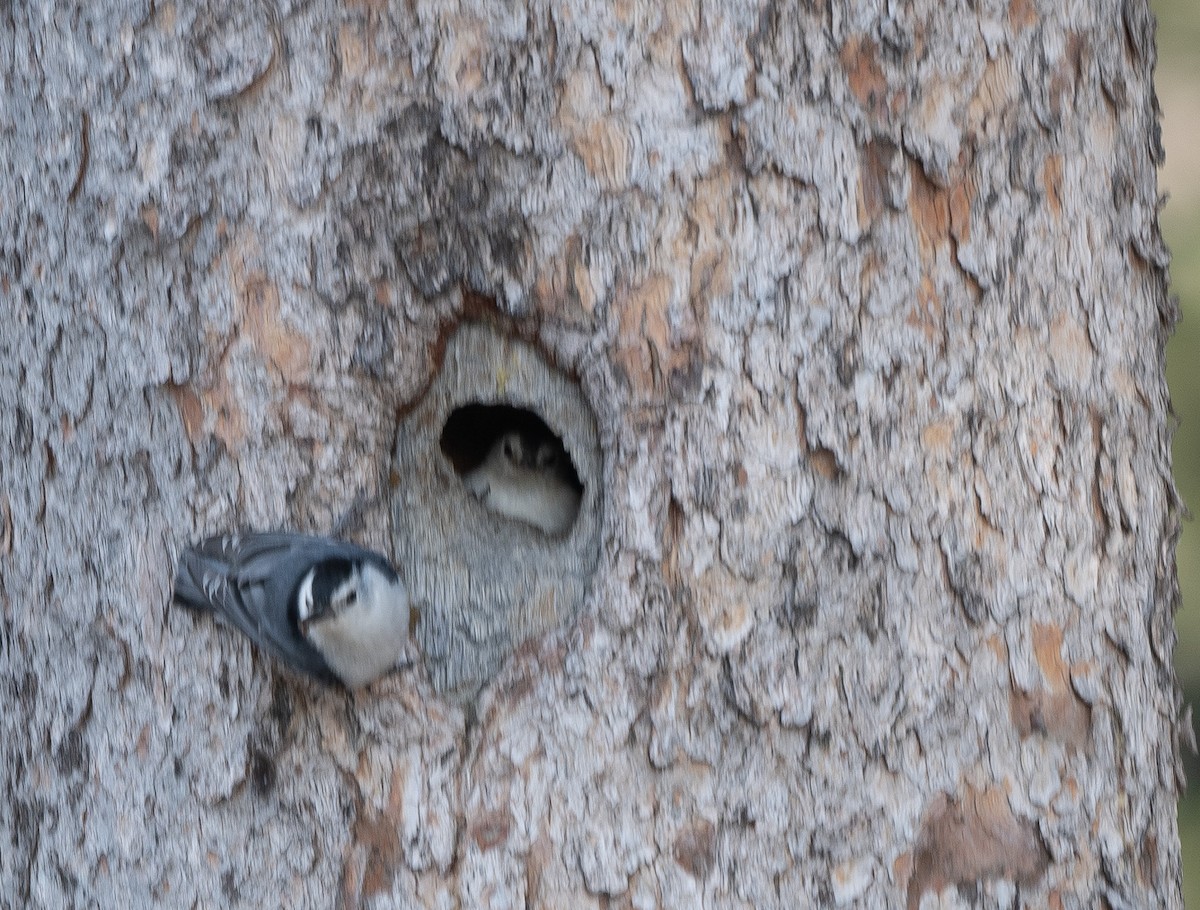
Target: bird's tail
x=196, y=564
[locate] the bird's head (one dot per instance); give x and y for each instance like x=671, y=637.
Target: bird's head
x=511, y=448
x=545, y=457
x=330, y=588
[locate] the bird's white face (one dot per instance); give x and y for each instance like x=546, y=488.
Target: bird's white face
x=313, y=609
x=363, y=631
x=545, y=458
x=511, y=449
x=518, y=456
x=347, y=595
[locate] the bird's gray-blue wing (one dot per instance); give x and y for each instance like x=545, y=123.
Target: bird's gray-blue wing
x=260, y=553
x=250, y=580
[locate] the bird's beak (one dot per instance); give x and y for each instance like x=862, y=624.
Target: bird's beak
x=319, y=614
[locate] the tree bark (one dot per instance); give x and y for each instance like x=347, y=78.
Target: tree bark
x=870, y=306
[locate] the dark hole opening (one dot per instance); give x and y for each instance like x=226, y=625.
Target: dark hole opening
x=472, y=430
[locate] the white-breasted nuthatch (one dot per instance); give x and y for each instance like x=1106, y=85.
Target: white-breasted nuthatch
x=326, y=607
x=529, y=479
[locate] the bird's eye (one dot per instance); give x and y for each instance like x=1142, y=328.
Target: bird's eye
x=351, y=596
x=508, y=449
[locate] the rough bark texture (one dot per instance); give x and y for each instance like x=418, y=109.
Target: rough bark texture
x=870, y=304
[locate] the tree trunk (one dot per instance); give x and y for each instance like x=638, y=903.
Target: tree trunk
x=870, y=308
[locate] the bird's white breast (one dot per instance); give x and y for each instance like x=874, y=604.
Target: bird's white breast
x=544, y=502
x=540, y=497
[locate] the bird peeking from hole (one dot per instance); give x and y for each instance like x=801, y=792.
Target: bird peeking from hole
x=529, y=478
